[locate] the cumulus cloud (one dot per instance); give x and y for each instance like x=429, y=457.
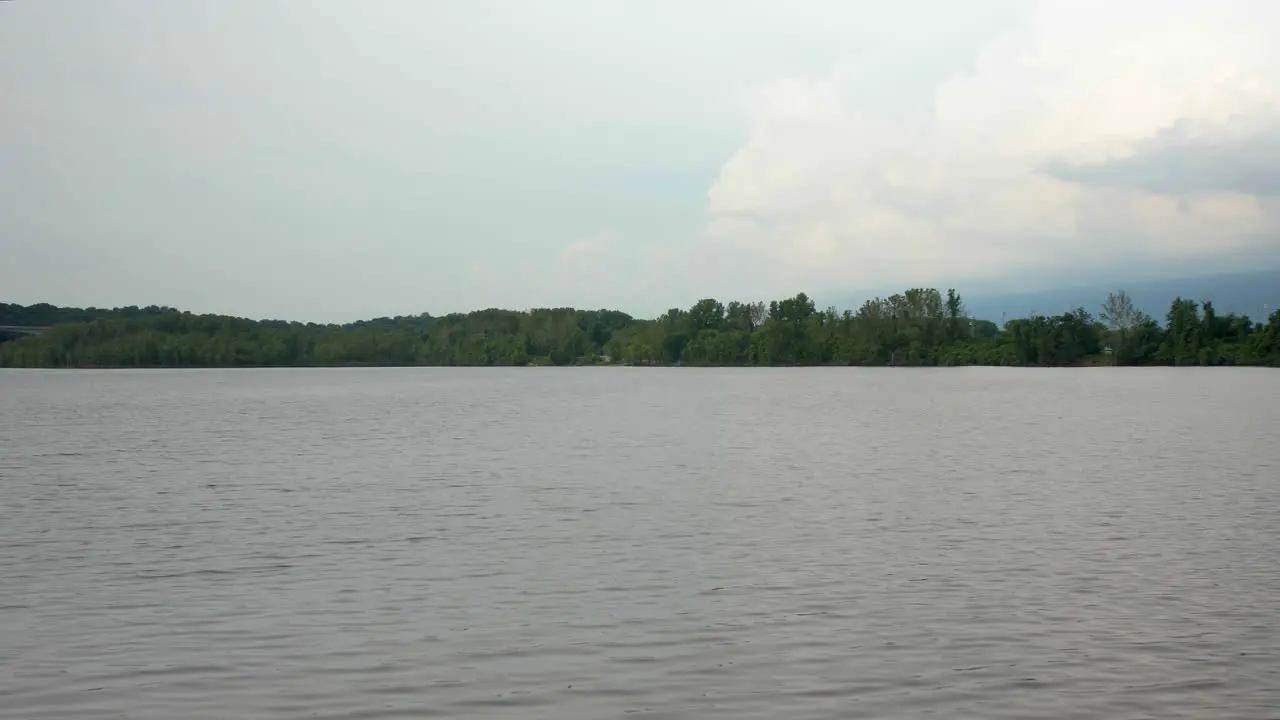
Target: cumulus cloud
x=1133, y=130
x=1240, y=157
x=605, y=259
x=587, y=254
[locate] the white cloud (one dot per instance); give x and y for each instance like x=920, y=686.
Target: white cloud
x=406, y=156
x=827, y=194
x=604, y=259
x=588, y=254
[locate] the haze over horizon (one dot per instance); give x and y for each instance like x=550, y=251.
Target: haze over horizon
x=331, y=161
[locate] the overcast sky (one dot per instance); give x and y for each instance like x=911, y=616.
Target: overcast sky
x=329, y=159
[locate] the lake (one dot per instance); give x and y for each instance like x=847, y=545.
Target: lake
x=658, y=543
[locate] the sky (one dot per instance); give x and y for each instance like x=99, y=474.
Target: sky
x=331, y=160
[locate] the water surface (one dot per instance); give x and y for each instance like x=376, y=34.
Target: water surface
x=614, y=542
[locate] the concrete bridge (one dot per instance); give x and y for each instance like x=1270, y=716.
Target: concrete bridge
x=22, y=329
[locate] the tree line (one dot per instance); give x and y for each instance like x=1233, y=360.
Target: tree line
x=918, y=327
x=44, y=314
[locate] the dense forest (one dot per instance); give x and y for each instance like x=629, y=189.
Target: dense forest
x=919, y=327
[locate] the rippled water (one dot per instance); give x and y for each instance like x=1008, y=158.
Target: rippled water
x=599, y=542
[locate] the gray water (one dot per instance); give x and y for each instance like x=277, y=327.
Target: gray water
x=609, y=542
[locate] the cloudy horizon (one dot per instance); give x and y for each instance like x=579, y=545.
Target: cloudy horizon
x=330, y=161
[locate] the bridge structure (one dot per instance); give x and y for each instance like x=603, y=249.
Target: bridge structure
x=22, y=329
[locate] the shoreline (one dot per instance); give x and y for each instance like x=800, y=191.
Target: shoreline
x=917, y=328
x=1082, y=366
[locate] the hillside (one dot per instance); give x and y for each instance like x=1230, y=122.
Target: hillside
x=46, y=315
x=1238, y=293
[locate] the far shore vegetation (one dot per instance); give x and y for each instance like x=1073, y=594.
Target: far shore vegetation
x=919, y=327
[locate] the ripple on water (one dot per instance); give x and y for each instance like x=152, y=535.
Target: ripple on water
x=805, y=543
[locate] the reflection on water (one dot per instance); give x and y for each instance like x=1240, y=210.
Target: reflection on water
x=599, y=542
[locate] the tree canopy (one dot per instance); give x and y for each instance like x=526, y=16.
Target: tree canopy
x=918, y=327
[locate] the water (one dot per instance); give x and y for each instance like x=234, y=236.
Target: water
x=595, y=543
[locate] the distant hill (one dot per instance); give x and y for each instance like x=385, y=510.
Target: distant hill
x=46, y=315
x=1239, y=293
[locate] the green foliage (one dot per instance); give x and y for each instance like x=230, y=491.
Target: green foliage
x=918, y=327
x=44, y=314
